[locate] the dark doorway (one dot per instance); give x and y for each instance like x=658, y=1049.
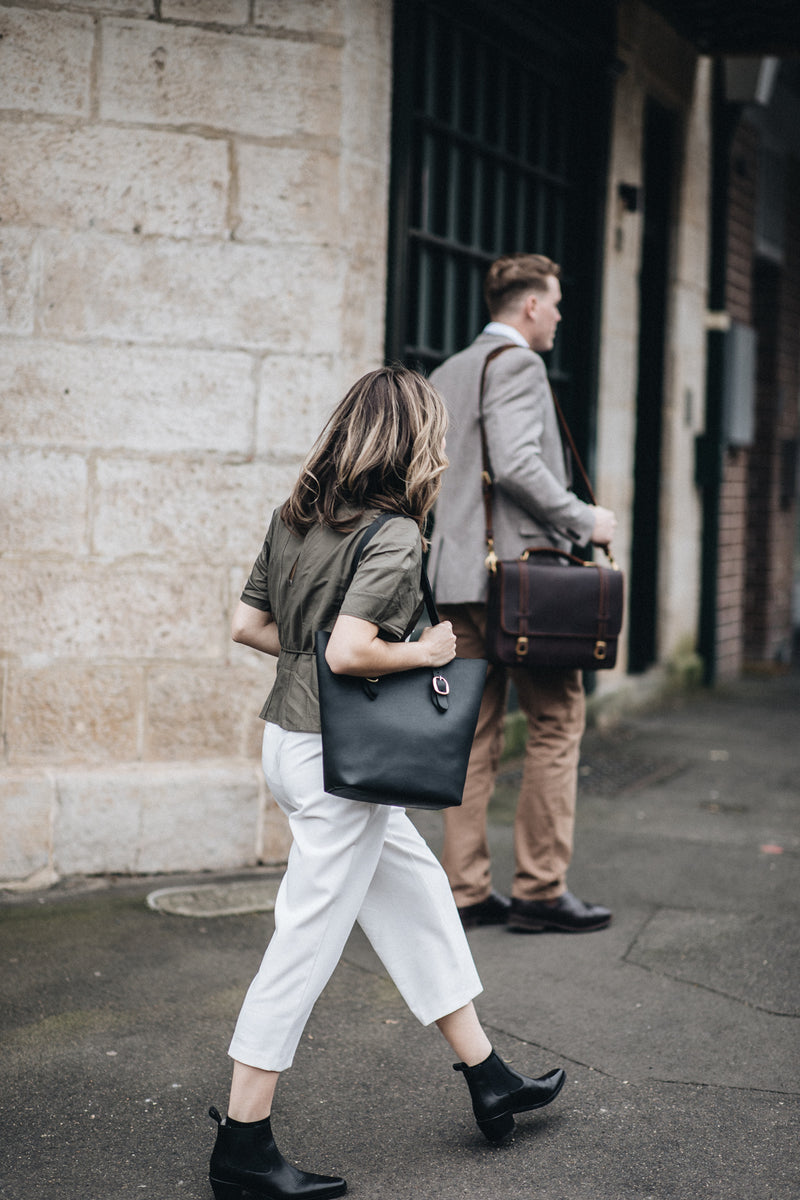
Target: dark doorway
x=659, y=174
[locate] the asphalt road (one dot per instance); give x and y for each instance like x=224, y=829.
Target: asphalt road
x=677, y=1026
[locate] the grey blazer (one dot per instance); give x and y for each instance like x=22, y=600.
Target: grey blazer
x=532, y=504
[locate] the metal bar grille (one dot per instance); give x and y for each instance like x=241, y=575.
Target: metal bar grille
x=501, y=116
x=487, y=175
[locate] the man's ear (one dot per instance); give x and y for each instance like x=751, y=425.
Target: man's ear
x=531, y=304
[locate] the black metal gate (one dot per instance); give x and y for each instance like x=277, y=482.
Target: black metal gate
x=500, y=134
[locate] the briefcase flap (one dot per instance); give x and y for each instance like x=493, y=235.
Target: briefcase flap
x=549, y=598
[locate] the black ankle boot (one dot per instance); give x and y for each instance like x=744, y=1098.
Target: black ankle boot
x=246, y=1162
x=498, y=1092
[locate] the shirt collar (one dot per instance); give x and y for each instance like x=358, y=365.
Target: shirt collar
x=507, y=331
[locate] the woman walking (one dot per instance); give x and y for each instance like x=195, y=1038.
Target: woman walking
x=382, y=451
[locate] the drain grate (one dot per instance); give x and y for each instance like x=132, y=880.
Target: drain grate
x=617, y=774
x=715, y=806
x=612, y=774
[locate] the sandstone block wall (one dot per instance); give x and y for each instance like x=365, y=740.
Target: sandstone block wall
x=192, y=248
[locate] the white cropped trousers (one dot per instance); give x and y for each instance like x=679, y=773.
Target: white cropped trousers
x=349, y=862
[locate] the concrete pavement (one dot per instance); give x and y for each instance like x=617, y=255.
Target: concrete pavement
x=677, y=1026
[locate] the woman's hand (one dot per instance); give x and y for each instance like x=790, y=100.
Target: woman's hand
x=355, y=649
x=440, y=643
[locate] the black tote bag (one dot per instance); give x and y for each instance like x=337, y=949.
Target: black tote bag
x=405, y=738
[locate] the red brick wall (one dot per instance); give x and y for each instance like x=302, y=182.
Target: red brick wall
x=732, y=541
x=773, y=512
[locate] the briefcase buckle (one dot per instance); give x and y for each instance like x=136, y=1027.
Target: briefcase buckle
x=600, y=649
x=522, y=647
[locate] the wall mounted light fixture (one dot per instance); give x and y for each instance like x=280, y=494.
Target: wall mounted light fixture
x=630, y=195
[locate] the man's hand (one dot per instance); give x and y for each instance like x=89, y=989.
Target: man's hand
x=605, y=526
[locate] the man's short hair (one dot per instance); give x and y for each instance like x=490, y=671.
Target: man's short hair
x=509, y=277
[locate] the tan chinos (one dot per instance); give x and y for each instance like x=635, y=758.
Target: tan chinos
x=554, y=705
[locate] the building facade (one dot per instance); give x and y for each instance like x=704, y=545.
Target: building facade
x=215, y=215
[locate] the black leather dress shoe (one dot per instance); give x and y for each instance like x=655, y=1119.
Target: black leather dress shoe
x=491, y=911
x=566, y=914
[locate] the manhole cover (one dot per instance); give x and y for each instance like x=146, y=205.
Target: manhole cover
x=216, y=899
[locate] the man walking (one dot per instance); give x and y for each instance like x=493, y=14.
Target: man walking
x=532, y=505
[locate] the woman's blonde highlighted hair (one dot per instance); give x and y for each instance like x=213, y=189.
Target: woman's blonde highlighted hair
x=383, y=448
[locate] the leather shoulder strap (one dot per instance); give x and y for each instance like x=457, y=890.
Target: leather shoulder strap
x=486, y=473
x=363, y=542
x=571, y=443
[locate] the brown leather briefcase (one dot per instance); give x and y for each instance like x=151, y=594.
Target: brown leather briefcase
x=551, y=609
